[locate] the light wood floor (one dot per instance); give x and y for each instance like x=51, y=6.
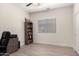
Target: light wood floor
x=43, y=50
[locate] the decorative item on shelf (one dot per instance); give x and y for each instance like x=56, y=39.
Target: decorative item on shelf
x=30, y=36
x=25, y=20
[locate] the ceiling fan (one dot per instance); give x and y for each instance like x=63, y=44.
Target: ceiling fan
x=33, y=4
x=29, y=4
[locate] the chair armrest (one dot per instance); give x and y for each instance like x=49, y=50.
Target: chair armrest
x=12, y=45
x=13, y=36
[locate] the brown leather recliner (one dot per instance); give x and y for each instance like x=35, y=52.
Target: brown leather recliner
x=8, y=42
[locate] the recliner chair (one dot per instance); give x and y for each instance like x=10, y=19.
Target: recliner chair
x=4, y=41
x=8, y=42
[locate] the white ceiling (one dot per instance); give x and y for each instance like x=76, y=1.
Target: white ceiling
x=42, y=7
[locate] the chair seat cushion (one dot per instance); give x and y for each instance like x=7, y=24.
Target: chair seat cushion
x=2, y=48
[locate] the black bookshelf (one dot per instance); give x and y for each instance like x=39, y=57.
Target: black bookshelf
x=28, y=32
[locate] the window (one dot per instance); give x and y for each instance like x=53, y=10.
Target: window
x=47, y=26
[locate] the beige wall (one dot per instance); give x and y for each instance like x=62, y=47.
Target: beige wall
x=76, y=27
x=64, y=22
x=12, y=19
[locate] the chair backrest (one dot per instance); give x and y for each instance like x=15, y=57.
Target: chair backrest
x=5, y=38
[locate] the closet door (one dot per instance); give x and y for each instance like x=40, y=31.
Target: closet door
x=77, y=31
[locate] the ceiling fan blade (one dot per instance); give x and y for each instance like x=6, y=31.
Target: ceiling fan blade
x=29, y=4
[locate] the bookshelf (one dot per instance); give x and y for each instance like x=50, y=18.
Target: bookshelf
x=28, y=32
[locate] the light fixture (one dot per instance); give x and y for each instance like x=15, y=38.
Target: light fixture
x=32, y=4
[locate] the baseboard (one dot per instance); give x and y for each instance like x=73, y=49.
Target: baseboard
x=53, y=44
